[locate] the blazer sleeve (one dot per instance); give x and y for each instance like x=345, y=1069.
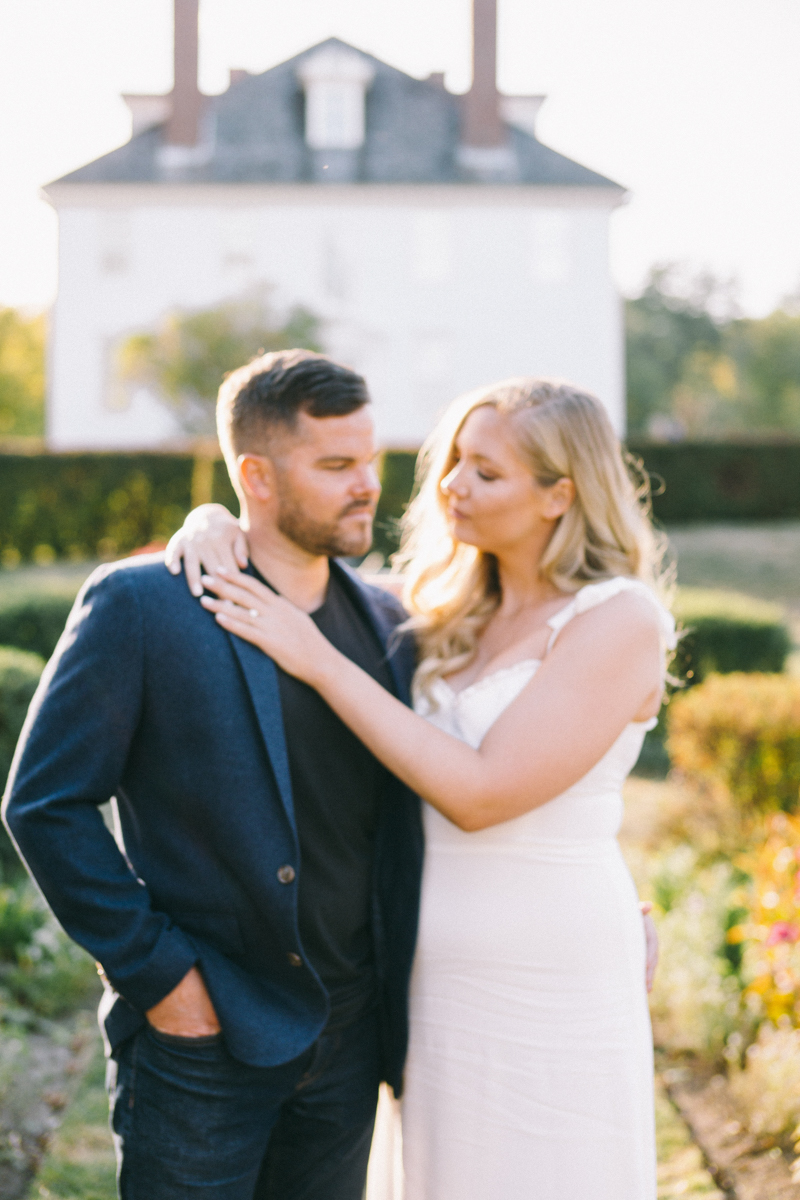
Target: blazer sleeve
x=70, y=759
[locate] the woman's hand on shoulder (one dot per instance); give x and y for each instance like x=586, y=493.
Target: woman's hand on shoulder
x=244, y=606
x=209, y=538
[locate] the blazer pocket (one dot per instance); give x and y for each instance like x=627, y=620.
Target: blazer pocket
x=220, y=930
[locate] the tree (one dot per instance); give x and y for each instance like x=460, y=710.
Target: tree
x=697, y=369
x=22, y=365
x=767, y=357
x=187, y=357
x=663, y=331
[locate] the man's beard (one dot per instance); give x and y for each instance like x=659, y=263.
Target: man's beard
x=325, y=539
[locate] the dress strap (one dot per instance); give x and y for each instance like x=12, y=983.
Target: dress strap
x=592, y=594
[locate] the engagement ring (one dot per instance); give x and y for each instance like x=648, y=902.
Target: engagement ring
x=253, y=612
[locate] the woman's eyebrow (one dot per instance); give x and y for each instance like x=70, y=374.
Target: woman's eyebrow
x=476, y=454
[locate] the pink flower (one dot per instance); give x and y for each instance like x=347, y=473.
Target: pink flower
x=782, y=931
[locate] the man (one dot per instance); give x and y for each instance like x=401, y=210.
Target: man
x=255, y=919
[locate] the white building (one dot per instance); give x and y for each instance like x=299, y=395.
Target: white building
x=442, y=245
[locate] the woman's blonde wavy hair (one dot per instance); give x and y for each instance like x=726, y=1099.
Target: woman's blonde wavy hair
x=452, y=589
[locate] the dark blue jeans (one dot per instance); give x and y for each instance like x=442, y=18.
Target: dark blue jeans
x=191, y=1121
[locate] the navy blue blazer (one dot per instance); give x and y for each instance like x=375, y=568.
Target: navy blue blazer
x=149, y=700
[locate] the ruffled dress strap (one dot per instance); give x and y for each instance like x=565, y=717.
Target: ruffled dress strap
x=592, y=594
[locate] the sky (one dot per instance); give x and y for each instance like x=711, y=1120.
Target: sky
x=693, y=105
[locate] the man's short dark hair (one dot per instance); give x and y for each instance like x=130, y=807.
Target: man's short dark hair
x=271, y=390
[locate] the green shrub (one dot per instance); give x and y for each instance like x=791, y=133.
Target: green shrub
x=692, y=481
x=105, y=505
x=19, y=675
x=722, y=632
x=42, y=972
x=727, y=632
x=86, y=506
x=695, y=1002
x=52, y=977
x=34, y=621
x=21, y=917
x=738, y=735
x=722, y=481
x=397, y=482
x=768, y=1088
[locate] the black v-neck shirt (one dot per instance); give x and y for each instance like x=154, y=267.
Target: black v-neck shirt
x=336, y=785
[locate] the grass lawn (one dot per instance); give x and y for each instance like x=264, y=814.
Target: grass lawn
x=761, y=560
x=64, y=579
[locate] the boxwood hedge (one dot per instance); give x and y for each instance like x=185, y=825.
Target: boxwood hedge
x=19, y=675
x=34, y=620
x=104, y=505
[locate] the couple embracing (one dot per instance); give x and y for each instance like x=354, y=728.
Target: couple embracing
x=271, y=943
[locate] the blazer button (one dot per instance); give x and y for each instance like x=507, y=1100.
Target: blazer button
x=294, y=959
x=286, y=874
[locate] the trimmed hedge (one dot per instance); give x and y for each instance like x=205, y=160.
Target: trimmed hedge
x=34, y=621
x=722, y=481
x=105, y=505
x=86, y=506
x=691, y=481
x=397, y=482
x=94, y=505
x=740, y=735
x=722, y=632
x=19, y=675
x=727, y=632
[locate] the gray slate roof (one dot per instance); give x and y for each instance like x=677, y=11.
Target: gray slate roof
x=256, y=135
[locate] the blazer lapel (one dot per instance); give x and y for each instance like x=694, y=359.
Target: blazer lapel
x=262, y=681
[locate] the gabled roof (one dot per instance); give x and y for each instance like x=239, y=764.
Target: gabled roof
x=254, y=133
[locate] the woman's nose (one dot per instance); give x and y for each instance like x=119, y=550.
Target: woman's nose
x=453, y=483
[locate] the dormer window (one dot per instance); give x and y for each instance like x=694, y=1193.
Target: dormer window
x=335, y=81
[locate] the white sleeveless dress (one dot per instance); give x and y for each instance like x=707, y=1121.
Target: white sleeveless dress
x=530, y=1072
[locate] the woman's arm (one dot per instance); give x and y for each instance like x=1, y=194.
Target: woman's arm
x=605, y=667
x=209, y=538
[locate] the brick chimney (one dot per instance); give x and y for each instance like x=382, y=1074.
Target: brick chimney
x=483, y=127
x=183, y=127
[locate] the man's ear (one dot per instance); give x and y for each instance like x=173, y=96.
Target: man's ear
x=257, y=475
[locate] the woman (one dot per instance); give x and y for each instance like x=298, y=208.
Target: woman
x=530, y=576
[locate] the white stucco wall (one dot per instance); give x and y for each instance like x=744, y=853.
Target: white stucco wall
x=428, y=290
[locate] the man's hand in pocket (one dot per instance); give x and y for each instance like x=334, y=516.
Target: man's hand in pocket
x=187, y=1011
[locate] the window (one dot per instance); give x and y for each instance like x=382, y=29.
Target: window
x=335, y=81
x=115, y=241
